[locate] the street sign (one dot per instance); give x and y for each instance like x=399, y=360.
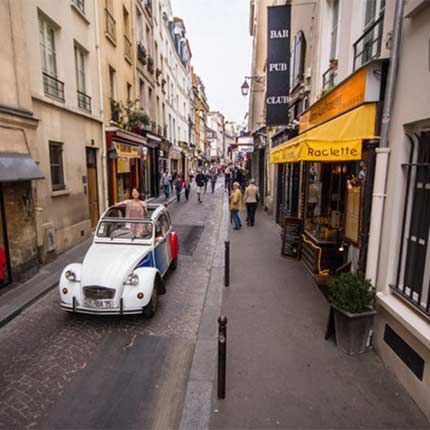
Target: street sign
x=278, y=64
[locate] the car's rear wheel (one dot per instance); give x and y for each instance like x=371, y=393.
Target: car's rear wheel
x=151, y=308
x=174, y=263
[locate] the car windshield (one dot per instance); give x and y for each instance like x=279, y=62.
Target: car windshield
x=129, y=229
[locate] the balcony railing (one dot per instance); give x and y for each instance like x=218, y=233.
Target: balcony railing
x=127, y=48
x=328, y=78
x=84, y=101
x=150, y=65
x=110, y=25
x=53, y=87
x=368, y=46
x=141, y=52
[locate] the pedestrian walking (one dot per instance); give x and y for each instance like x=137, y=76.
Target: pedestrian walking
x=251, y=198
x=165, y=183
x=187, y=188
x=200, y=182
x=236, y=205
x=227, y=177
x=179, y=183
x=206, y=176
x=172, y=179
x=213, y=177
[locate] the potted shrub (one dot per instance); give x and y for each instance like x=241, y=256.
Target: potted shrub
x=352, y=297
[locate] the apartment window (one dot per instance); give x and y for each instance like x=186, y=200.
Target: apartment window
x=84, y=101
x=112, y=83
x=80, y=4
x=56, y=162
x=139, y=25
x=126, y=18
x=129, y=95
x=110, y=23
x=141, y=93
x=174, y=131
x=52, y=86
x=150, y=103
x=297, y=59
x=334, y=29
x=413, y=277
x=368, y=46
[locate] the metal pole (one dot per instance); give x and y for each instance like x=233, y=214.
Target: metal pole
x=222, y=349
x=382, y=153
x=227, y=263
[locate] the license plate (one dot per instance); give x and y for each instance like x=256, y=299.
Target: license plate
x=101, y=304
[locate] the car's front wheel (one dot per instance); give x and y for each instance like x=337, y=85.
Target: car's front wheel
x=174, y=264
x=151, y=308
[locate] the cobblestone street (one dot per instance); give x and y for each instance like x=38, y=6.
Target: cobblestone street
x=48, y=357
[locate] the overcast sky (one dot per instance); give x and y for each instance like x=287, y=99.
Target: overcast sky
x=221, y=46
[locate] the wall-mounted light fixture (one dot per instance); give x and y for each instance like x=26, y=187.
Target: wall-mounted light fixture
x=245, y=86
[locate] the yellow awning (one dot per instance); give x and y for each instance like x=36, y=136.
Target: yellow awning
x=337, y=140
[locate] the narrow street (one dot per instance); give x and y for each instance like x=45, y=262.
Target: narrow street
x=73, y=371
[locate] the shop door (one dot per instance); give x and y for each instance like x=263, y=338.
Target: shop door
x=5, y=277
x=93, y=198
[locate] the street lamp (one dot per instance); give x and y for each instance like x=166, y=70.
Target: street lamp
x=245, y=86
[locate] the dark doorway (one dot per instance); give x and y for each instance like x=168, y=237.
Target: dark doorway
x=93, y=195
x=5, y=276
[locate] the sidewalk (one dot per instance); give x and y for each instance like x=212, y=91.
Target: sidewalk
x=281, y=373
x=23, y=295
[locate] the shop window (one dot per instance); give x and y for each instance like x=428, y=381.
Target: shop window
x=56, y=162
x=413, y=277
x=330, y=187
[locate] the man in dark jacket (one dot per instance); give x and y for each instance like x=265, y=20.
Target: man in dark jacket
x=200, y=182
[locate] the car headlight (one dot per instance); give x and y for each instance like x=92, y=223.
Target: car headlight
x=132, y=279
x=70, y=276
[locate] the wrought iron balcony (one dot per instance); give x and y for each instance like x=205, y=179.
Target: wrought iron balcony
x=141, y=52
x=84, y=101
x=53, y=87
x=110, y=25
x=368, y=46
x=127, y=48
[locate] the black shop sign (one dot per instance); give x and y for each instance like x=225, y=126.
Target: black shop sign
x=278, y=64
x=291, y=237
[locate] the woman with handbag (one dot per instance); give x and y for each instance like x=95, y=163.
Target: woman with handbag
x=251, y=199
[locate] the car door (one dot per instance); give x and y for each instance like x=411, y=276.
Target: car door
x=161, y=251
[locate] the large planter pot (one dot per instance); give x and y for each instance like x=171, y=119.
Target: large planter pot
x=352, y=330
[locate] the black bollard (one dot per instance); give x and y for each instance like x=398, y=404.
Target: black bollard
x=227, y=264
x=222, y=356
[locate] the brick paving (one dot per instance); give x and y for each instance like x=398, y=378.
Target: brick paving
x=44, y=349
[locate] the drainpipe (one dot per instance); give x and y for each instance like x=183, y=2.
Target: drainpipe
x=382, y=153
x=102, y=111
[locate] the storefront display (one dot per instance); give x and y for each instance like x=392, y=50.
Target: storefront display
x=126, y=164
x=336, y=141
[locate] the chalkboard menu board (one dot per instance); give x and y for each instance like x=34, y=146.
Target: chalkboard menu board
x=291, y=237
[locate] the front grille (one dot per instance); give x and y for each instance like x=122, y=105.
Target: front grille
x=98, y=293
